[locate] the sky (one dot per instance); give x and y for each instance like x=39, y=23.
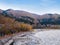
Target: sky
x=33, y=6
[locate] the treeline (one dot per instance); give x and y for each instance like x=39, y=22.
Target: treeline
x=9, y=25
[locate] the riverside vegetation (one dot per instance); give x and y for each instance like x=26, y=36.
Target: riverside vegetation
x=10, y=26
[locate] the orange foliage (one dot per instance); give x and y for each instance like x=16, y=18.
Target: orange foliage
x=9, y=25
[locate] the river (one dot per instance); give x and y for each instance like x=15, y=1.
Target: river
x=45, y=37
x=38, y=37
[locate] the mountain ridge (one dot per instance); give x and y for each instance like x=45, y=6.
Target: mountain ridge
x=31, y=18
x=18, y=13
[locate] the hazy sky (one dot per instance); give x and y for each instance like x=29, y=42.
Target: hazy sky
x=34, y=6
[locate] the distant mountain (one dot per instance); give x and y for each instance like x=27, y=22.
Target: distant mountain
x=49, y=16
x=1, y=11
x=31, y=18
x=19, y=13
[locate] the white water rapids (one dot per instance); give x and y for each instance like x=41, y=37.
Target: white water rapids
x=51, y=37
x=39, y=37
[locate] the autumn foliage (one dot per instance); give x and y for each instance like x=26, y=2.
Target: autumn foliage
x=9, y=26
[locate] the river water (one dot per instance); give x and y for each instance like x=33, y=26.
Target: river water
x=39, y=37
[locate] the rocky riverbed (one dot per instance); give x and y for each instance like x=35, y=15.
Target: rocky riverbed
x=38, y=37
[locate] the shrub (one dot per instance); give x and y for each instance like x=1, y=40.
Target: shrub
x=9, y=26
x=7, y=32
x=21, y=27
x=25, y=27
